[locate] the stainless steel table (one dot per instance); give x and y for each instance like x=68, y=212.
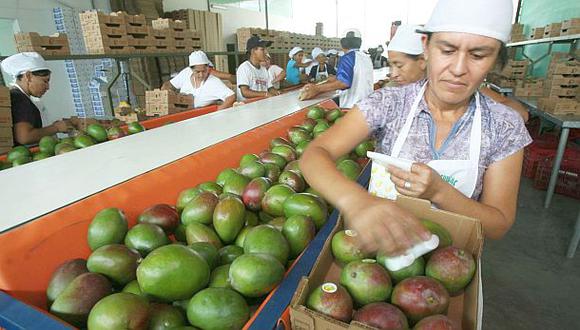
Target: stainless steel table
x=566, y=122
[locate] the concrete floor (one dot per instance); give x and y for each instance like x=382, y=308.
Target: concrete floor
x=528, y=283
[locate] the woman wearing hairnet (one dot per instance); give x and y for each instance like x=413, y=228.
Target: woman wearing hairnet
x=408, y=65
x=32, y=78
x=465, y=150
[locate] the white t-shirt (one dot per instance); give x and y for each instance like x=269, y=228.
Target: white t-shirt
x=210, y=91
x=256, y=79
x=273, y=72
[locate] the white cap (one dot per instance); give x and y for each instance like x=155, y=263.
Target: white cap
x=306, y=59
x=20, y=63
x=332, y=52
x=351, y=33
x=488, y=18
x=407, y=40
x=317, y=51
x=198, y=58
x=295, y=51
x=341, y=53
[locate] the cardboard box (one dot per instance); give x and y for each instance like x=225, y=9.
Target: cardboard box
x=537, y=33
x=559, y=106
x=5, y=117
x=6, y=137
x=466, y=310
x=552, y=30
x=5, y=97
x=570, y=27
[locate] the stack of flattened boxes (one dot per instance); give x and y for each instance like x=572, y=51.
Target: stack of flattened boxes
x=104, y=33
x=515, y=69
x=6, y=138
x=529, y=88
x=56, y=44
x=163, y=102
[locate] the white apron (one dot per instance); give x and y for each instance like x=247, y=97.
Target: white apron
x=461, y=174
x=320, y=76
x=362, y=81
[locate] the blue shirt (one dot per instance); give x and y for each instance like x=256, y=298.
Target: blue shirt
x=345, y=72
x=292, y=73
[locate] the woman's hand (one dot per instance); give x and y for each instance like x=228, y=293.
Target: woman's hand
x=422, y=182
x=382, y=225
x=309, y=91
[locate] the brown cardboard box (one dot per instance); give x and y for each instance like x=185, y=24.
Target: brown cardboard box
x=570, y=27
x=5, y=97
x=5, y=117
x=6, y=137
x=552, y=30
x=537, y=33
x=466, y=309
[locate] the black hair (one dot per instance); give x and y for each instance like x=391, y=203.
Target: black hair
x=502, y=56
x=39, y=73
x=351, y=43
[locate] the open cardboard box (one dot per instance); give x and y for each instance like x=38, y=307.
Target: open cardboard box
x=466, y=309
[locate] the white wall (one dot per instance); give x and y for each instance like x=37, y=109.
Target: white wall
x=36, y=16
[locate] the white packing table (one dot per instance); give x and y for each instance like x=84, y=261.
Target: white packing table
x=35, y=189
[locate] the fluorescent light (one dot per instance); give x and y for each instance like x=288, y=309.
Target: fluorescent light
x=218, y=7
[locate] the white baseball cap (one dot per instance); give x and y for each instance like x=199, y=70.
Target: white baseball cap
x=198, y=58
x=316, y=52
x=295, y=51
x=332, y=52
x=407, y=40
x=341, y=53
x=488, y=18
x=20, y=63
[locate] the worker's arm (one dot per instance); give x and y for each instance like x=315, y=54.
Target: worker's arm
x=228, y=102
x=167, y=86
x=248, y=93
x=273, y=91
x=513, y=104
x=380, y=223
x=310, y=91
x=25, y=133
x=497, y=206
x=280, y=77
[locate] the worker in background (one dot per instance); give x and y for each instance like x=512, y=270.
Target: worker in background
x=252, y=78
x=32, y=80
x=275, y=73
x=408, y=65
x=321, y=71
x=295, y=63
x=333, y=58
x=354, y=75
x=310, y=62
x=196, y=80
x=406, y=56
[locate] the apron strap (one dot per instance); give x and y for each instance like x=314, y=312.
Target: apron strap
x=402, y=137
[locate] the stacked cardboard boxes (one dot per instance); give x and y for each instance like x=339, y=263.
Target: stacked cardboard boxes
x=515, y=69
x=54, y=45
x=529, y=88
x=120, y=33
x=517, y=33
x=570, y=27
x=537, y=33
x=552, y=30
x=562, y=86
x=282, y=40
x=104, y=33
x=6, y=138
x=210, y=28
x=162, y=102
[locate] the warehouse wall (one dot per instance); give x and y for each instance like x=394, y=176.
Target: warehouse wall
x=535, y=13
x=36, y=16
